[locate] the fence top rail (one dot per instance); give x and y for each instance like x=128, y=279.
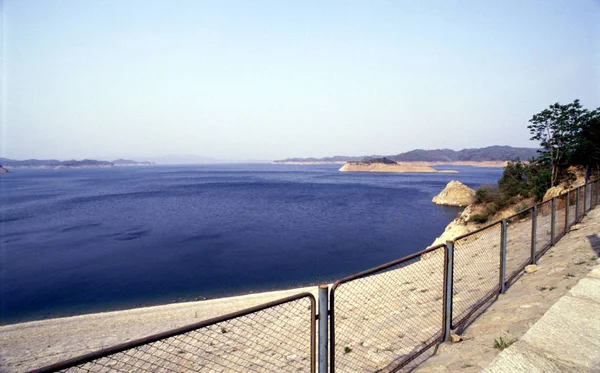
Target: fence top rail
x=519, y=213
x=384, y=266
x=169, y=333
x=477, y=230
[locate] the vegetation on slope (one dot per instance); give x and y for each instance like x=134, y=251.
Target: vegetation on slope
x=569, y=137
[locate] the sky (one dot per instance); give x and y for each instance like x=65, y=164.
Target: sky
x=264, y=80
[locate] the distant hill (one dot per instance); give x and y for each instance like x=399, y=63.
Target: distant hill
x=53, y=163
x=490, y=153
x=182, y=159
x=129, y=162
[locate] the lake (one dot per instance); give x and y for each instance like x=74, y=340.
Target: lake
x=76, y=241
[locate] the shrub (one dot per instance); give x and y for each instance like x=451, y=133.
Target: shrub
x=514, y=179
x=488, y=194
x=481, y=193
x=478, y=218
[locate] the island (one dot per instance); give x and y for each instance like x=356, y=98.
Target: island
x=387, y=165
x=56, y=164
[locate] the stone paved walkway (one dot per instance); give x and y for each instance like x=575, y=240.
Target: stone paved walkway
x=565, y=339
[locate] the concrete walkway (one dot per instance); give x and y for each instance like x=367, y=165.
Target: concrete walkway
x=565, y=339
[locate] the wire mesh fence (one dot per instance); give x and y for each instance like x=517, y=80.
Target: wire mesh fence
x=275, y=337
x=560, y=217
x=384, y=318
x=476, y=271
x=518, y=244
x=543, y=232
x=571, y=200
x=580, y=211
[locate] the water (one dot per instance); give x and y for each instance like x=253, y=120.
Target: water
x=84, y=240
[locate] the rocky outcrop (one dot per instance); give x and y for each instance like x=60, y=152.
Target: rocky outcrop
x=560, y=189
x=455, y=194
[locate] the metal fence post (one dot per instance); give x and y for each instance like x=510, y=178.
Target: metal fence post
x=585, y=193
x=448, y=288
x=533, y=232
x=503, y=240
x=577, y=205
x=567, y=207
x=323, y=297
x=553, y=223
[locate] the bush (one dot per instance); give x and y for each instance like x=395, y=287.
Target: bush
x=514, y=179
x=481, y=194
x=478, y=218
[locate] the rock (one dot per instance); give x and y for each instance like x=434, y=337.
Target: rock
x=455, y=338
x=531, y=268
x=2, y=169
x=455, y=194
x=556, y=191
x=576, y=227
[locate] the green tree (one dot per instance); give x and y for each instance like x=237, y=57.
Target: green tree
x=587, y=148
x=514, y=179
x=558, y=131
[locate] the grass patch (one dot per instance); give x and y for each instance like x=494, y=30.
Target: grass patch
x=502, y=343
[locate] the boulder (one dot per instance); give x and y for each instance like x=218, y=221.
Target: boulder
x=531, y=268
x=455, y=194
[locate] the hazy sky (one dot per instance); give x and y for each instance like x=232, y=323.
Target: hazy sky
x=275, y=79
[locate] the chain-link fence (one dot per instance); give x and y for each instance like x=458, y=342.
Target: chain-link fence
x=543, y=231
x=560, y=224
x=571, y=200
x=274, y=337
x=581, y=192
x=476, y=271
x=518, y=243
x=384, y=318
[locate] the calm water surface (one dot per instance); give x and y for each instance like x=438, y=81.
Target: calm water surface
x=84, y=240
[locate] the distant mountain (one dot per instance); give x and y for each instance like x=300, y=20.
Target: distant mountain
x=129, y=162
x=181, y=159
x=490, y=153
x=53, y=163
